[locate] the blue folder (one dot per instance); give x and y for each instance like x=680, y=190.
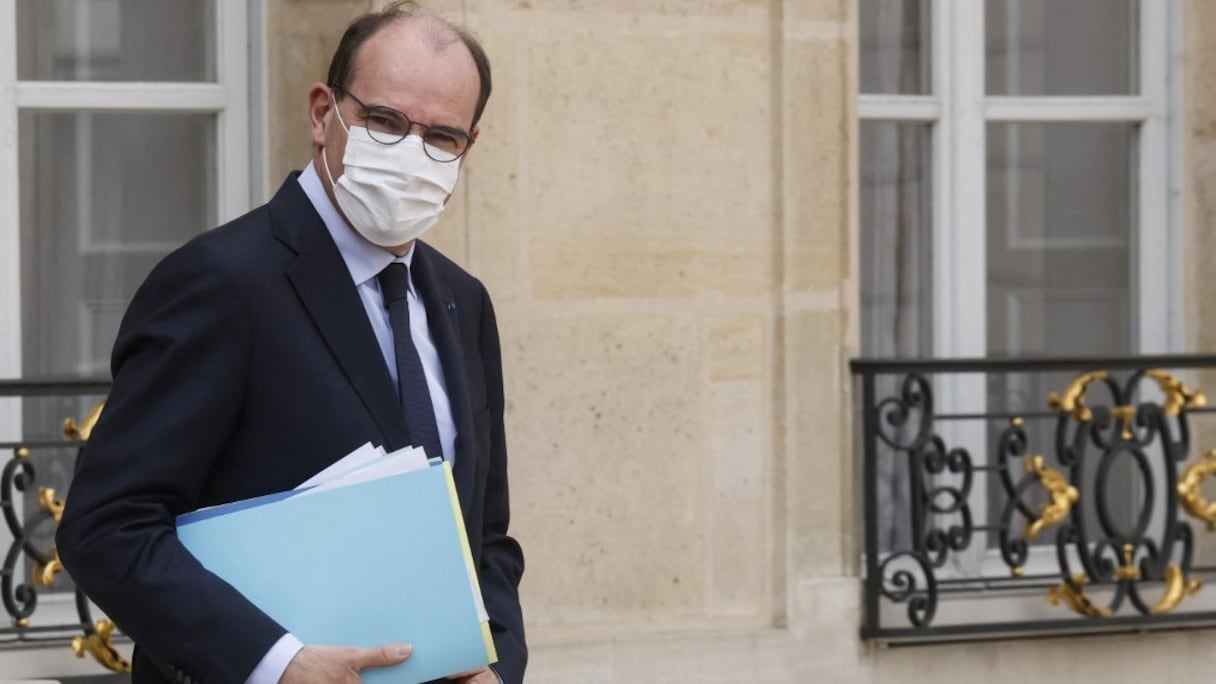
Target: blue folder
x=377, y=562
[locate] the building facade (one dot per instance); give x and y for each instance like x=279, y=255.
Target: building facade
x=691, y=214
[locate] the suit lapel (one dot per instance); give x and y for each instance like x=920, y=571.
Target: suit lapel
x=323, y=283
x=443, y=318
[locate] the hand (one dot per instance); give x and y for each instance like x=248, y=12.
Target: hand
x=483, y=676
x=341, y=664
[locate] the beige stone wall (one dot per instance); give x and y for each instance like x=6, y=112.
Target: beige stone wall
x=663, y=204
x=1199, y=135
x=1199, y=207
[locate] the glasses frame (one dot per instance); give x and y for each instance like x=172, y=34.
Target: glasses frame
x=367, y=110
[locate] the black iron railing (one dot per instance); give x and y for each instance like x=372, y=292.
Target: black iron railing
x=54, y=418
x=1017, y=497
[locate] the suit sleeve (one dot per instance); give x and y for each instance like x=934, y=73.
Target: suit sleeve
x=502, y=560
x=179, y=367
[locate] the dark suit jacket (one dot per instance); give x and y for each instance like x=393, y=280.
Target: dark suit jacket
x=244, y=365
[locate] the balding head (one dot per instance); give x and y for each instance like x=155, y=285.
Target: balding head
x=433, y=29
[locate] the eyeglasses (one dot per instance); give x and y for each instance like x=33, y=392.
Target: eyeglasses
x=388, y=126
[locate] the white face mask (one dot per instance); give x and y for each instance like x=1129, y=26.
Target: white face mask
x=390, y=194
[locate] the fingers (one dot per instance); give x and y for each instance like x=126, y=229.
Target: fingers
x=484, y=677
x=481, y=675
x=380, y=656
x=340, y=663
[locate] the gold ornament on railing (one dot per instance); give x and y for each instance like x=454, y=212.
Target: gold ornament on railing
x=1126, y=415
x=81, y=431
x=1190, y=489
x=48, y=503
x=1061, y=497
x=1127, y=571
x=1072, y=400
x=98, y=645
x=1072, y=593
x=44, y=575
x=1177, y=587
x=1177, y=397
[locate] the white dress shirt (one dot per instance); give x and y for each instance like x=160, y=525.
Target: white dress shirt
x=365, y=261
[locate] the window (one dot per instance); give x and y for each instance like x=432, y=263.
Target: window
x=1018, y=172
x=130, y=123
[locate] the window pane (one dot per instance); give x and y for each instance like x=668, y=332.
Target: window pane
x=896, y=238
x=896, y=285
x=1060, y=203
x=895, y=47
x=116, y=40
x=103, y=198
x=1061, y=47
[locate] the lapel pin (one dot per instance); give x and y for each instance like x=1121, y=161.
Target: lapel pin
x=451, y=306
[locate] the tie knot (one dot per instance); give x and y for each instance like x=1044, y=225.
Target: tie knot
x=393, y=281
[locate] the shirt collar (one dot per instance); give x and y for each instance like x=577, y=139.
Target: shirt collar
x=363, y=259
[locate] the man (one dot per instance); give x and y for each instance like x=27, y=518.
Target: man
x=260, y=352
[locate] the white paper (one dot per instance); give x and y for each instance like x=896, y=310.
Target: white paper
x=355, y=459
x=396, y=463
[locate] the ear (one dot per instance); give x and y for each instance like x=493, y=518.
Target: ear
x=320, y=103
x=472, y=139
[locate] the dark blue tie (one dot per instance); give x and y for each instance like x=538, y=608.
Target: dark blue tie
x=411, y=381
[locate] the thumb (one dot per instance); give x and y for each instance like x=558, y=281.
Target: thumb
x=381, y=656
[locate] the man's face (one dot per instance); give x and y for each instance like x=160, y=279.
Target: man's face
x=398, y=67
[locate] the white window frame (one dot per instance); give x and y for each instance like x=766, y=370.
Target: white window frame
x=227, y=98
x=958, y=110
x=237, y=165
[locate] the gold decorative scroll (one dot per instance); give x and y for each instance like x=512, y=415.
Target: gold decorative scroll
x=1072, y=401
x=1190, y=489
x=1072, y=594
x=1127, y=571
x=1061, y=494
x=1177, y=395
x=1176, y=588
x=81, y=431
x=48, y=503
x=1176, y=585
x=98, y=645
x=1126, y=415
x=44, y=575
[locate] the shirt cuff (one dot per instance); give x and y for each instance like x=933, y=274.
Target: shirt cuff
x=272, y=665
